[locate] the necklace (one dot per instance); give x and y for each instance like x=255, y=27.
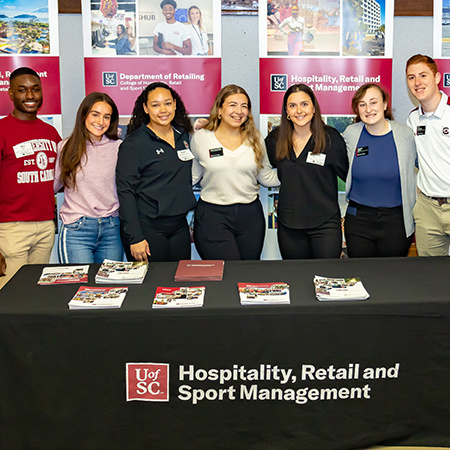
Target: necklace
x=199, y=34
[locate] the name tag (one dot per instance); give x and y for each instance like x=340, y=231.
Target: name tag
x=421, y=130
x=23, y=149
x=214, y=152
x=362, y=151
x=316, y=159
x=185, y=155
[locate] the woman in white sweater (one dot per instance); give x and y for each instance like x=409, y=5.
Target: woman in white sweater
x=231, y=161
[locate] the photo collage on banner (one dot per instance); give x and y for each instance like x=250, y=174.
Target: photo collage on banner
x=334, y=47
x=441, y=46
x=29, y=37
x=129, y=44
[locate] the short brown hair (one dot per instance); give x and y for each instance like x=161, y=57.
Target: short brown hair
x=417, y=59
x=361, y=92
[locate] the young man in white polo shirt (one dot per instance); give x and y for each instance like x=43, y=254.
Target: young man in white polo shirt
x=431, y=125
x=171, y=37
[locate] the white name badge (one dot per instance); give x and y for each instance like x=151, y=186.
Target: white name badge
x=316, y=159
x=185, y=155
x=23, y=149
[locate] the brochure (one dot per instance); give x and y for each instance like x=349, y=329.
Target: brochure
x=98, y=297
x=64, y=275
x=264, y=293
x=111, y=272
x=179, y=297
x=339, y=289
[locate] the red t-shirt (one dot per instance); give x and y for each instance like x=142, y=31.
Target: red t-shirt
x=27, y=168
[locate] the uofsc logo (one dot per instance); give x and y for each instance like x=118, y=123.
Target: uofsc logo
x=147, y=382
x=278, y=83
x=446, y=80
x=109, y=79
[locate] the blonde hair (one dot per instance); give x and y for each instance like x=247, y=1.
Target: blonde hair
x=249, y=133
x=200, y=18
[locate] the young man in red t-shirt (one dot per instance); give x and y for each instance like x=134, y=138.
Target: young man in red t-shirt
x=27, y=165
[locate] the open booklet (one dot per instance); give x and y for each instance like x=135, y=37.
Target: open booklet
x=98, y=297
x=339, y=289
x=264, y=293
x=179, y=297
x=112, y=272
x=64, y=275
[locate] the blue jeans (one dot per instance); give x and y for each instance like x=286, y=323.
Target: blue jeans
x=90, y=240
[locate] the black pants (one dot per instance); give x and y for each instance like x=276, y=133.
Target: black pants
x=229, y=232
x=372, y=232
x=168, y=238
x=324, y=241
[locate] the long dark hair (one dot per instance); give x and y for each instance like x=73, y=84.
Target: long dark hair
x=285, y=141
x=361, y=92
x=75, y=147
x=123, y=35
x=140, y=117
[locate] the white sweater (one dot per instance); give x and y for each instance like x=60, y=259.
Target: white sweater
x=229, y=178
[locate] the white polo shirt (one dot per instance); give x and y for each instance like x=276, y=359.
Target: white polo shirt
x=432, y=136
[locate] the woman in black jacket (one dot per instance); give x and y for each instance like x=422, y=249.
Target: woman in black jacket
x=154, y=178
x=309, y=156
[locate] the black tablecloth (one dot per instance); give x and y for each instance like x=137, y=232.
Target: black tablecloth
x=360, y=373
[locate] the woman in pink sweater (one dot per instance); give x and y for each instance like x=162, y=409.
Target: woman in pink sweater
x=85, y=167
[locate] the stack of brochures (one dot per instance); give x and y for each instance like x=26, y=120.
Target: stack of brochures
x=264, y=293
x=98, y=298
x=179, y=297
x=64, y=275
x=112, y=272
x=206, y=270
x=339, y=289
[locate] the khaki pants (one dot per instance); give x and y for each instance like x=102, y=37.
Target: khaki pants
x=432, y=226
x=25, y=243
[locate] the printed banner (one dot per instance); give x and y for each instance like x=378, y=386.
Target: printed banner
x=196, y=80
x=48, y=70
x=176, y=45
x=29, y=27
x=334, y=81
x=29, y=37
x=441, y=26
x=444, y=69
x=326, y=28
x=142, y=28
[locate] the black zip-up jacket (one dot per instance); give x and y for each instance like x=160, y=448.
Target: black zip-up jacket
x=152, y=181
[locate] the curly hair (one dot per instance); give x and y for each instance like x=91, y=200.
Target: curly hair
x=75, y=147
x=139, y=117
x=286, y=134
x=249, y=132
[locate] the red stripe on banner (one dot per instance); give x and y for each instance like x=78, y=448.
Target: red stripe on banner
x=48, y=69
x=333, y=80
x=196, y=80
